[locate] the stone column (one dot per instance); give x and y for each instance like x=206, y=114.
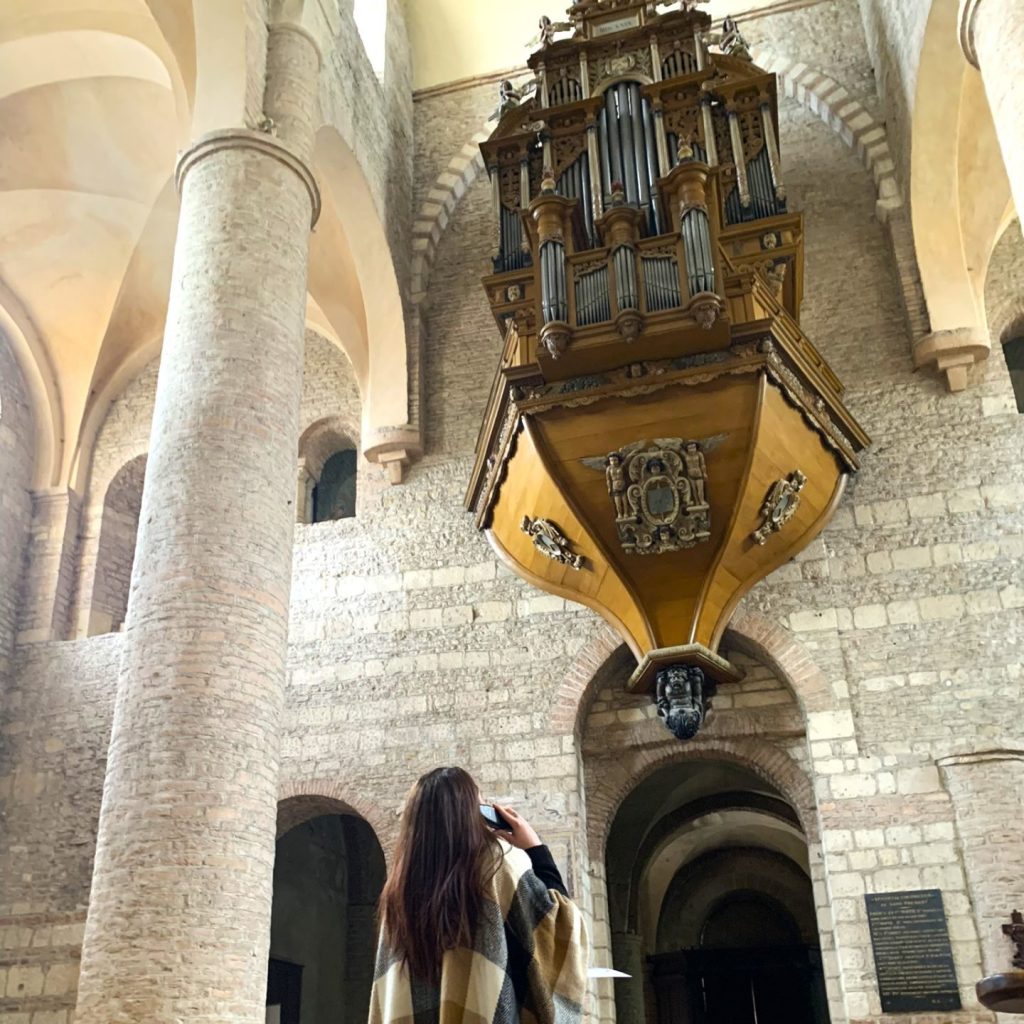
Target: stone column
x=987, y=790
x=992, y=38
x=48, y=582
x=179, y=915
x=628, y=957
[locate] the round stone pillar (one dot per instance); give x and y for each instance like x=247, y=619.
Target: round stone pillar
x=628, y=957
x=992, y=38
x=179, y=914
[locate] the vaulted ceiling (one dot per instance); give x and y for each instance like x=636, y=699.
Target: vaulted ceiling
x=452, y=39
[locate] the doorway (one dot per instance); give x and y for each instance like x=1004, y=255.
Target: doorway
x=328, y=874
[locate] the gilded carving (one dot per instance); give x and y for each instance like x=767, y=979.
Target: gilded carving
x=658, y=491
x=779, y=507
x=549, y=540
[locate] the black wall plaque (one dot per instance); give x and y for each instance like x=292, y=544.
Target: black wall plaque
x=913, y=958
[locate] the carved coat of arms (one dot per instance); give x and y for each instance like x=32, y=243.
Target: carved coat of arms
x=659, y=492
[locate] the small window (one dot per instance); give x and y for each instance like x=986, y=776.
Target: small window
x=334, y=496
x=371, y=18
x=1014, y=350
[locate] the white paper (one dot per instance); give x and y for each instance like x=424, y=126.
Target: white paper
x=606, y=972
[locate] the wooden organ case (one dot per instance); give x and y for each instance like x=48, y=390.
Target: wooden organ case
x=660, y=434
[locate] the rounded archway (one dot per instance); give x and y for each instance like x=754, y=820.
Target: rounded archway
x=328, y=873
x=710, y=900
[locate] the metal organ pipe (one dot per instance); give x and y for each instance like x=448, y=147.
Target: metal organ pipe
x=624, y=260
x=738, y=158
x=711, y=145
x=496, y=213
x=653, y=168
x=700, y=265
x=772, y=143
x=594, y=162
x=553, y=288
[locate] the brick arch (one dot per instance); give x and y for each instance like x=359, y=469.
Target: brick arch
x=298, y=800
x=774, y=646
x=606, y=793
x=847, y=117
x=605, y=658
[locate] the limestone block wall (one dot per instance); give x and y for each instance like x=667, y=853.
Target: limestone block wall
x=895, y=32
x=372, y=113
x=410, y=646
x=16, y=446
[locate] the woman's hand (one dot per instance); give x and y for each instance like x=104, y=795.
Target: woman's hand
x=523, y=834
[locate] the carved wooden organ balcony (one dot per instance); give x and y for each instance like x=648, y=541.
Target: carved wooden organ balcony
x=660, y=434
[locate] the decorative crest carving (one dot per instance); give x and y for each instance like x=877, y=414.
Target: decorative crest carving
x=782, y=501
x=659, y=493
x=549, y=540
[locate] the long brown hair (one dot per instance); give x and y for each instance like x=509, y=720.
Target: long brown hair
x=445, y=856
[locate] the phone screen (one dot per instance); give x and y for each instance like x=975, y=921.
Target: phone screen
x=493, y=818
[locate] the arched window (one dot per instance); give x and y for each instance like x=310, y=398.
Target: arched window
x=372, y=21
x=334, y=496
x=1014, y=351
x=115, y=554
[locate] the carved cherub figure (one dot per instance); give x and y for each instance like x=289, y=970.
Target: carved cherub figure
x=548, y=30
x=696, y=470
x=615, y=475
x=732, y=41
x=508, y=97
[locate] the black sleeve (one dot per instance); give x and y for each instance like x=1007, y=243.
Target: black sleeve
x=545, y=868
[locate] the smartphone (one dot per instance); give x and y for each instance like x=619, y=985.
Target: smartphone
x=494, y=819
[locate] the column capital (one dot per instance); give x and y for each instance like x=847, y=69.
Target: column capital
x=246, y=138
x=968, y=9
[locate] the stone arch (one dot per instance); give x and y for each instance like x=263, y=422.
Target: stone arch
x=764, y=759
x=605, y=657
x=106, y=567
x=318, y=443
x=356, y=288
x=330, y=867
x=41, y=386
x=302, y=799
x=959, y=196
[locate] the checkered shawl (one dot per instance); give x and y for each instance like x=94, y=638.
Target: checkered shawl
x=528, y=963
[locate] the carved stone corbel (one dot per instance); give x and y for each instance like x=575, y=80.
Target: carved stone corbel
x=952, y=352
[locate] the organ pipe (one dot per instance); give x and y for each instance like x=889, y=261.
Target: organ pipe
x=584, y=74
x=524, y=182
x=738, y=158
x=661, y=141
x=624, y=260
x=700, y=266
x=656, y=59
x=553, y=289
x=698, y=49
x=772, y=143
x=496, y=247
x=542, y=87
x=597, y=201
x=710, y=144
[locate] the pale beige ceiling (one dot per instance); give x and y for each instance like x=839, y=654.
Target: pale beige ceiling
x=456, y=39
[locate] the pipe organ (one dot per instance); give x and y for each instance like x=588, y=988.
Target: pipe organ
x=661, y=434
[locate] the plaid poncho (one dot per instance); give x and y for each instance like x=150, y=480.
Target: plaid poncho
x=528, y=963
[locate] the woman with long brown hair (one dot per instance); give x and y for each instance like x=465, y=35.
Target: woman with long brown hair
x=476, y=924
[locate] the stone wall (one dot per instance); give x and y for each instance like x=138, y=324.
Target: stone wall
x=895, y=33
x=410, y=646
x=17, y=436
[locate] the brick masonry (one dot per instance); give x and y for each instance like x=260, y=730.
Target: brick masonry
x=889, y=650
